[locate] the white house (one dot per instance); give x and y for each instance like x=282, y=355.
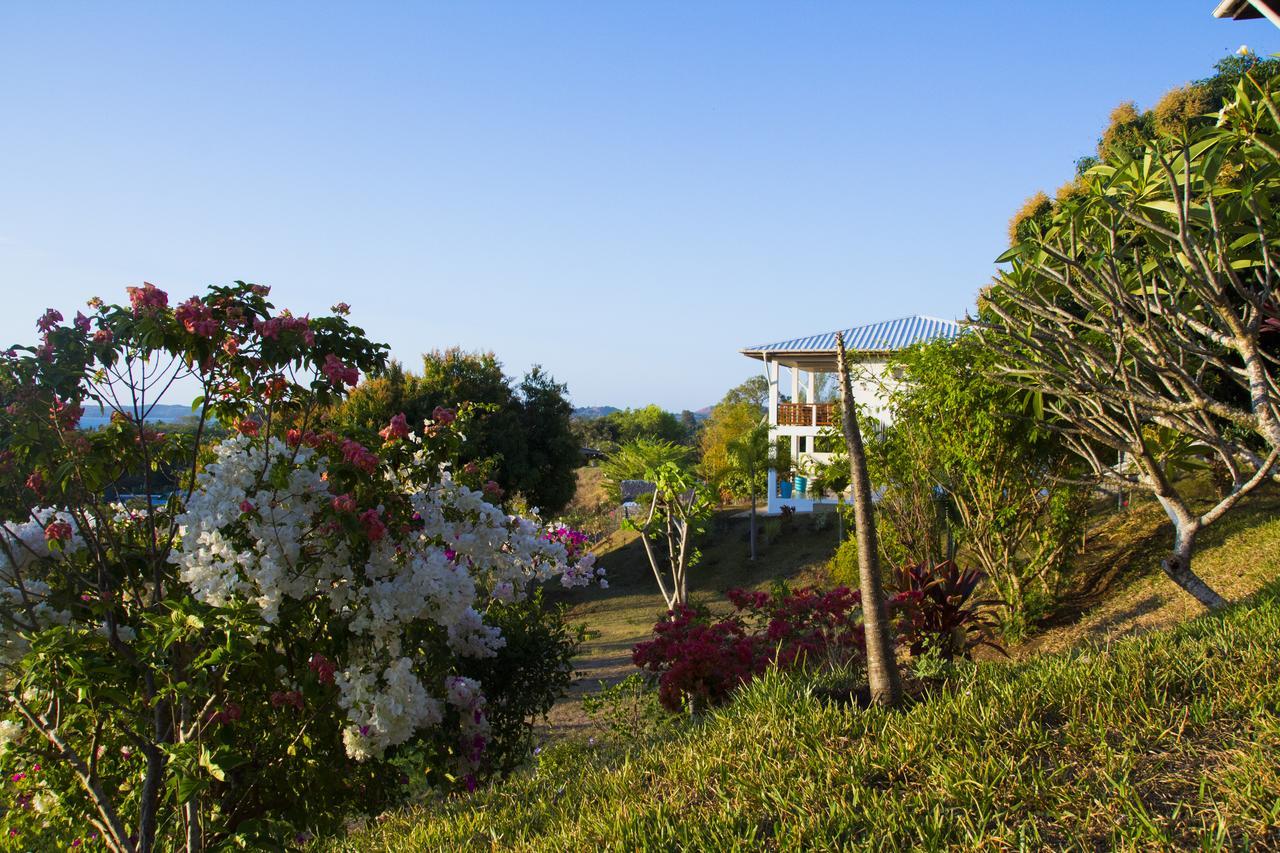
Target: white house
x=804, y=418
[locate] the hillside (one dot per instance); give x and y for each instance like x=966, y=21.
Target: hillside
x=1166, y=740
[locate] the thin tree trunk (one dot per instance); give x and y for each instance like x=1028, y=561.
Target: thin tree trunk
x=1178, y=567
x=882, y=665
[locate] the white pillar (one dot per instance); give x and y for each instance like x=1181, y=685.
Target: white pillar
x=795, y=385
x=771, y=368
x=808, y=393
x=772, y=490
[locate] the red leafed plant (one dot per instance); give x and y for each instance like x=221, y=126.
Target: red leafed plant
x=700, y=660
x=935, y=609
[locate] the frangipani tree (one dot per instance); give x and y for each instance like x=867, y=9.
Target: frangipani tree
x=1144, y=309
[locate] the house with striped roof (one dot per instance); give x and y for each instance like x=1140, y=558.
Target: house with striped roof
x=805, y=419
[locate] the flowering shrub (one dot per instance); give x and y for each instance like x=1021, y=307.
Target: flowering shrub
x=700, y=660
x=271, y=644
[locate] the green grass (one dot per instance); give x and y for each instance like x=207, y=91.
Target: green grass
x=1170, y=739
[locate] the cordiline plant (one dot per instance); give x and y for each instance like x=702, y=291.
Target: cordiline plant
x=268, y=645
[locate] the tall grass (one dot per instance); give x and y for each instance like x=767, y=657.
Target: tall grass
x=1167, y=740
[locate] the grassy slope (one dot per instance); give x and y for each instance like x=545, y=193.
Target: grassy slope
x=1168, y=739
x=1121, y=590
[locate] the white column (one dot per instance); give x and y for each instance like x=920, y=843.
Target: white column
x=808, y=393
x=795, y=385
x=772, y=490
x=771, y=368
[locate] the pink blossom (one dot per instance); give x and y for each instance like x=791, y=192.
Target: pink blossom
x=341, y=308
x=280, y=698
x=231, y=346
x=339, y=373
x=147, y=298
x=443, y=416
x=493, y=491
x=49, y=321
x=103, y=336
x=245, y=506
x=36, y=483
x=323, y=668
x=373, y=526
x=344, y=503
x=398, y=428
x=248, y=427
x=82, y=322
x=196, y=318
x=358, y=455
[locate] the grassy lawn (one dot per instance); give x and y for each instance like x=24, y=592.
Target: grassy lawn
x=1170, y=739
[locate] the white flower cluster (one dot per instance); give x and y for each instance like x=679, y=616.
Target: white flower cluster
x=24, y=567
x=259, y=528
x=386, y=711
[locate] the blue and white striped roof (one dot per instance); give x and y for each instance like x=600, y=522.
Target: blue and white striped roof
x=886, y=336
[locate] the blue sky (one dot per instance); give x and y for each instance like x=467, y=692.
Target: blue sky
x=625, y=193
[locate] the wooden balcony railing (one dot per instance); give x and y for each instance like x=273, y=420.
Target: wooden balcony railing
x=806, y=414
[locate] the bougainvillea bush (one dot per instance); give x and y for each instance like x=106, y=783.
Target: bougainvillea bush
x=285, y=637
x=700, y=660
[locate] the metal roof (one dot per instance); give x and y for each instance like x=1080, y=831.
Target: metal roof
x=886, y=336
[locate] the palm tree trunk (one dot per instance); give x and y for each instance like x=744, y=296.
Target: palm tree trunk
x=882, y=665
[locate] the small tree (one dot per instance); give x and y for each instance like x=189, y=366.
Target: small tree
x=678, y=504
x=882, y=665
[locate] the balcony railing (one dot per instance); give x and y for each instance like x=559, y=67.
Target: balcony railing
x=806, y=414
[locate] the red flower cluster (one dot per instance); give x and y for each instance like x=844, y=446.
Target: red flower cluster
x=229, y=714
x=443, y=416
x=323, y=668
x=280, y=698
x=57, y=531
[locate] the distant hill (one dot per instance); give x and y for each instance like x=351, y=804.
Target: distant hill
x=94, y=417
x=592, y=412
x=588, y=413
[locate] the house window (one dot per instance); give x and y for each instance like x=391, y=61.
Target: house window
x=803, y=444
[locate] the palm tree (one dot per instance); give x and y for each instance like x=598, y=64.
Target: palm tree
x=882, y=666
x=748, y=458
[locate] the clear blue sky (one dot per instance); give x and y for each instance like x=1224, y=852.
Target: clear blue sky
x=626, y=193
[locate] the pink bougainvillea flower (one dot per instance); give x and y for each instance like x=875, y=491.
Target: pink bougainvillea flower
x=373, y=525
x=196, y=318
x=338, y=373
x=341, y=308
x=245, y=506
x=443, y=416
x=493, y=491
x=398, y=428
x=323, y=668
x=344, y=503
x=49, y=321
x=81, y=322
x=147, y=298
x=249, y=427
x=358, y=455
x=36, y=483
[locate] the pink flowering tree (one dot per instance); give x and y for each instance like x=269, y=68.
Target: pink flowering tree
x=279, y=639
